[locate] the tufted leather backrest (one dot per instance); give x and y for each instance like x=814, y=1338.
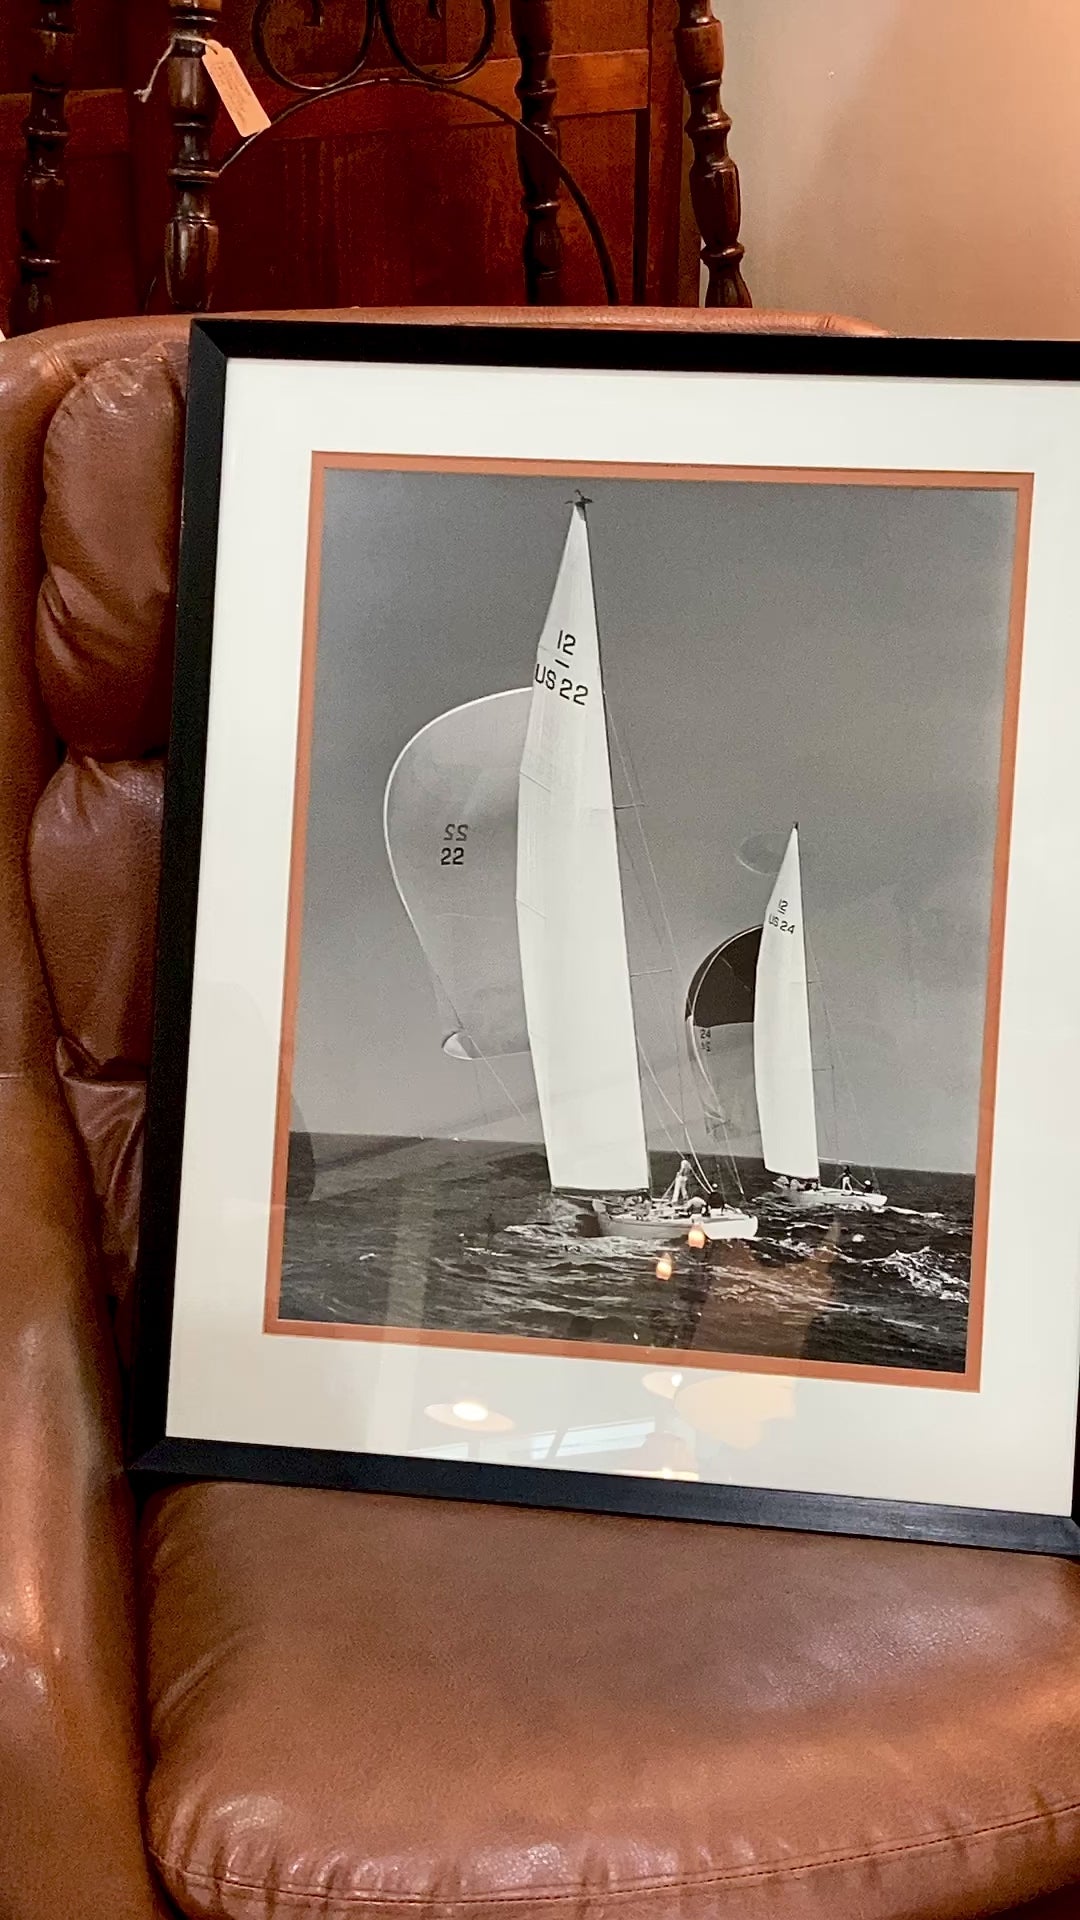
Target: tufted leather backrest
x=91, y=424
x=103, y=650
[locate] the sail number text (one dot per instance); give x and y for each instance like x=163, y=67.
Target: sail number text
x=566, y=689
x=778, y=920
x=452, y=851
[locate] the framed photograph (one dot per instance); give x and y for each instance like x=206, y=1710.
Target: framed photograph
x=617, y=1038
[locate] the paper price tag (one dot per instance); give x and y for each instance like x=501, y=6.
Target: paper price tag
x=234, y=89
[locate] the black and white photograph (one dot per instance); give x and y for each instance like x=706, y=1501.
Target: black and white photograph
x=624, y=1030
x=653, y=861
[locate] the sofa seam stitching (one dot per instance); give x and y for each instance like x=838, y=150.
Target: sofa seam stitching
x=677, y=1883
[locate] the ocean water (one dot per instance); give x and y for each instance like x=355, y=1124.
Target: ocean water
x=466, y=1236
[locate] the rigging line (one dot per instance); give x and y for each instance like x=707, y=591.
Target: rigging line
x=486, y=1059
x=655, y=928
x=663, y=1004
x=832, y=1091
x=690, y=1147
x=502, y=1086
x=836, y=1057
x=728, y=1152
x=669, y=1104
x=729, y=1155
x=661, y=1121
x=634, y=789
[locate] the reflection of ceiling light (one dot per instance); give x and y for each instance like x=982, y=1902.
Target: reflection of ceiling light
x=471, y=1414
x=735, y=1407
x=662, y=1382
x=664, y=1456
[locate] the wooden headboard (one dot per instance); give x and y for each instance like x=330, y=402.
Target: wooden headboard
x=587, y=111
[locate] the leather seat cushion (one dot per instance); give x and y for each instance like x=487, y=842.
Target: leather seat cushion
x=362, y=1704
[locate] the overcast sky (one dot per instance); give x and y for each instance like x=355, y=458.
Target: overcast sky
x=832, y=655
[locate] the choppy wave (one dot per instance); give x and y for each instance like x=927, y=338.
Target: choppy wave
x=923, y=1269
x=465, y=1237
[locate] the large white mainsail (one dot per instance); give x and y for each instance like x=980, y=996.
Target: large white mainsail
x=449, y=820
x=783, y=1065
x=571, y=929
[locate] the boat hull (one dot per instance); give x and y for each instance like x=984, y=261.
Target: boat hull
x=826, y=1200
x=657, y=1229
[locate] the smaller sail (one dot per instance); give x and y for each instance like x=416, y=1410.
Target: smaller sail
x=719, y=1016
x=783, y=1064
x=450, y=824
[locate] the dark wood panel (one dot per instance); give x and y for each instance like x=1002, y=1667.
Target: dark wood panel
x=588, y=83
x=601, y=155
x=317, y=52
x=335, y=222
x=664, y=166
x=429, y=216
x=99, y=45
x=97, y=270
x=98, y=120
x=598, y=27
x=385, y=195
x=313, y=51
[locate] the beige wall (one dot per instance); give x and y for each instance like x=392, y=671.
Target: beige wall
x=915, y=162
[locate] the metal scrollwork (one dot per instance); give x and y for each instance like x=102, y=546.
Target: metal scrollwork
x=385, y=9
x=376, y=13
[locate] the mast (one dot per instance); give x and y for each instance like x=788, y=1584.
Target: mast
x=783, y=1064
x=575, y=967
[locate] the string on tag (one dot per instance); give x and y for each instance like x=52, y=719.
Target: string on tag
x=142, y=94
x=233, y=88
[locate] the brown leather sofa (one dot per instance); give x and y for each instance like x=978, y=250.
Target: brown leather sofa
x=257, y=1702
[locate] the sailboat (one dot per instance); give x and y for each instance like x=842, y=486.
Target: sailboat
x=783, y=1062
x=575, y=965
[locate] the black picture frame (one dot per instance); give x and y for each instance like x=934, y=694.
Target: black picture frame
x=153, y=1456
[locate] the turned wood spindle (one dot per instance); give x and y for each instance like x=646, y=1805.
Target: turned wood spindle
x=42, y=189
x=191, y=237
x=531, y=23
x=714, y=177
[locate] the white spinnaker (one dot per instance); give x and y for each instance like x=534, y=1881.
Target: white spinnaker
x=449, y=820
x=571, y=926
x=783, y=1066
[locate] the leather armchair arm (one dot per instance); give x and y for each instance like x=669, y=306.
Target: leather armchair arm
x=71, y=1761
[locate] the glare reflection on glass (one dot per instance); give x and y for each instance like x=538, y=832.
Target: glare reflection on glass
x=735, y=1408
x=663, y=1383
x=470, y=1414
